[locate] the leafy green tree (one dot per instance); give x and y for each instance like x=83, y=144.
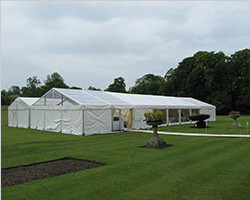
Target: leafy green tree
x=5, y=98
x=118, y=86
x=54, y=80
x=15, y=90
x=32, y=88
x=239, y=80
x=76, y=88
x=203, y=76
x=93, y=88
x=148, y=84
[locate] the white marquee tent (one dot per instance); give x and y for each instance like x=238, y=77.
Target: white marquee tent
x=87, y=112
x=19, y=112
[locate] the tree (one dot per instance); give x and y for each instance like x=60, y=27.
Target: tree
x=32, y=88
x=15, y=90
x=118, y=85
x=54, y=80
x=148, y=84
x=76, y=88
x=5, y=98
x=239, y=80
x=203, y=76
x=93, y=88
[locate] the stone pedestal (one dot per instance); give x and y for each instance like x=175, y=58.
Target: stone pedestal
x=156, y=142
x=235, y=125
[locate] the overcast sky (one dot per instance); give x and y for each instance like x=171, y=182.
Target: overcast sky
x=91, y=43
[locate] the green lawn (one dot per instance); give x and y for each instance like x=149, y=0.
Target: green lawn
x=221, y=126
x=194, y=168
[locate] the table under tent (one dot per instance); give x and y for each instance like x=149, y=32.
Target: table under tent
x=19, y=112
x=86, y=112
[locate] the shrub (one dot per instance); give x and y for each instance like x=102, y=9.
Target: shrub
x=154, y=116
x=234, y=113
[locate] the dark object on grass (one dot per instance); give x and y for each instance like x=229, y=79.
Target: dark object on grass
x=200, y=120
x=234, y=115
x=27, y=173
x=155, y=142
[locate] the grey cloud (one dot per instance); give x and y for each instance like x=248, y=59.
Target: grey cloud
x=91, y=43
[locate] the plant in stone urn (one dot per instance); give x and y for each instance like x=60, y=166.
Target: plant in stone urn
x=154, y=119
x=234, y=115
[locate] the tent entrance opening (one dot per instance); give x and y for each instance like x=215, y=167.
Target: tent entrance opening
x=122, y=119
x=117, y=120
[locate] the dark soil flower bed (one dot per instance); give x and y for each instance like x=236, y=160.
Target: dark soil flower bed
x=27, y=173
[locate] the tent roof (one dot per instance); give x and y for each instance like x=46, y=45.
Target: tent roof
x=28, y=100
x=91, y=98
x=198, y=102
x=21, y=102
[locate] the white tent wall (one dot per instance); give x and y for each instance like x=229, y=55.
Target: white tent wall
x=19, y=112
x=23, y=118
x=37, y=118
x=12, y=118
x=209, y=111
x=138, y=117
x=57, y=119
x=72, y=121
x=97, y=121
x=53, y=120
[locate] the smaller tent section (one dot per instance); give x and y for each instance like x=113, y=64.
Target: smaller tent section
x=19, y=112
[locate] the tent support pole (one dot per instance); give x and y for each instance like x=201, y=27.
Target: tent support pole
x=180, y=116
x=29, y=119
x=112, y=119
x=61, y=120
x=83, y=122
x=167, y=117
x=190, y=113
x=120, y=119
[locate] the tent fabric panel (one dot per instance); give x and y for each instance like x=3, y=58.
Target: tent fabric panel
x=12, y=118
x=209, y=111
x=23, y=118
x=138, y=118
x=72, y=122
x=29, y=100
x=33, y=119
x=97, y=121
x=68, y=107
x=198, y=102
x=37, y=119
x=53, y=120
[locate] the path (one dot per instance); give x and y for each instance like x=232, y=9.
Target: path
x=193, y=134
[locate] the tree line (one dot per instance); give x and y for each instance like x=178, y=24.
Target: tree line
x=213, y=77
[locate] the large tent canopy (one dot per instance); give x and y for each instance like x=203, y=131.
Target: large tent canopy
x=87, y=112
x=101, y=99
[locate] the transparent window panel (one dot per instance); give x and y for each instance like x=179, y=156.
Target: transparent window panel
x=195, y=111
x=185, y=113
x=54, y=98
x=173, y=115
x=116, y=114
